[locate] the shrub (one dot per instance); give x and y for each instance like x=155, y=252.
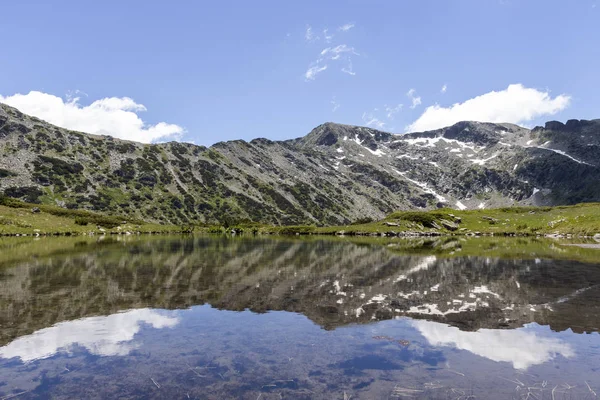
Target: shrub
x=100, y=220
x=30, y=194
x=4, y=173
x=81, y=221
x=292, y=230
x=360, y=221
x=10, y=202
x=422, y=217
x=523, y=210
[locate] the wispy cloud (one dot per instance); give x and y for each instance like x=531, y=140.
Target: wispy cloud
x=313, y=71
x=335, y=104
x=348, y=69
x=392, y=111
x=341, y=52
x=515, y=104
x=381, y=119
x=346, y=27
x=444, y=88
x=114, y=116
x=370, y=120
x=309, y=35
x=338, y=50
x=415, y=100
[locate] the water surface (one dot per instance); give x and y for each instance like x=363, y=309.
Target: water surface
x=270, y=318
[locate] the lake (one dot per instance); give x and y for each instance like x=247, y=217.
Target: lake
x=200, y=317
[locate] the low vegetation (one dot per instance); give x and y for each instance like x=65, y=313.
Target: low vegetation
x=579, y=220
x=18, y=217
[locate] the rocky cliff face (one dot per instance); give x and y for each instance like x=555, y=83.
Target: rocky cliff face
x=334, y=175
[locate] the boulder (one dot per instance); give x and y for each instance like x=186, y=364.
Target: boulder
x=35, y=210
x=451, y=226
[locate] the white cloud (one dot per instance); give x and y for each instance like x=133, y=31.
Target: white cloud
x=309, y=35
x=516, y=104
x=112, y=116
x=520, y=347
x=444, y=88
x=338, y=50
x=376, y=120
x=391, y=111
x=415, y=100
x=341, y=52
x=370, y=120
x=312, y=72
x=348, y=69
x=104, y=336
x=335, y=104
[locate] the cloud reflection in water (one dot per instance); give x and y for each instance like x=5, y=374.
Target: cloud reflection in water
x=520, y=347
x=105, y=336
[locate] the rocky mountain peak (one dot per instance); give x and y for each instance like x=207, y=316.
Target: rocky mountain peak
x=330, y=133
x=479, y=133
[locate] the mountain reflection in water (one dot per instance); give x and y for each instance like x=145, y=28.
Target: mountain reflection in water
x=437, y=315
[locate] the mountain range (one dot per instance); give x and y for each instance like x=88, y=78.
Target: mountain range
x=336, y=174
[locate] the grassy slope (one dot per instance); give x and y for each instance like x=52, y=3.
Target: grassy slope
x=17, y=218
x=581, y=219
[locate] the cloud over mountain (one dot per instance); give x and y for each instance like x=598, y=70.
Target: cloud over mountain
x=114, y=116
x=515, y=104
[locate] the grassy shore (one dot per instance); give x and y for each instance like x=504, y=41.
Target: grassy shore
x=577, y=220
x=21, y=218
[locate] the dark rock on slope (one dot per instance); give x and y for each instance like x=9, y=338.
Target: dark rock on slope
x=334, y=175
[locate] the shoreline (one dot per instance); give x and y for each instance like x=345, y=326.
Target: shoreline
x=273, y=232
x=20, y=219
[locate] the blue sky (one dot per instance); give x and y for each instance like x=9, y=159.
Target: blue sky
x=228, y=70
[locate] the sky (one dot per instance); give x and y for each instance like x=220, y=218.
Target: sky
x=209, y=71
